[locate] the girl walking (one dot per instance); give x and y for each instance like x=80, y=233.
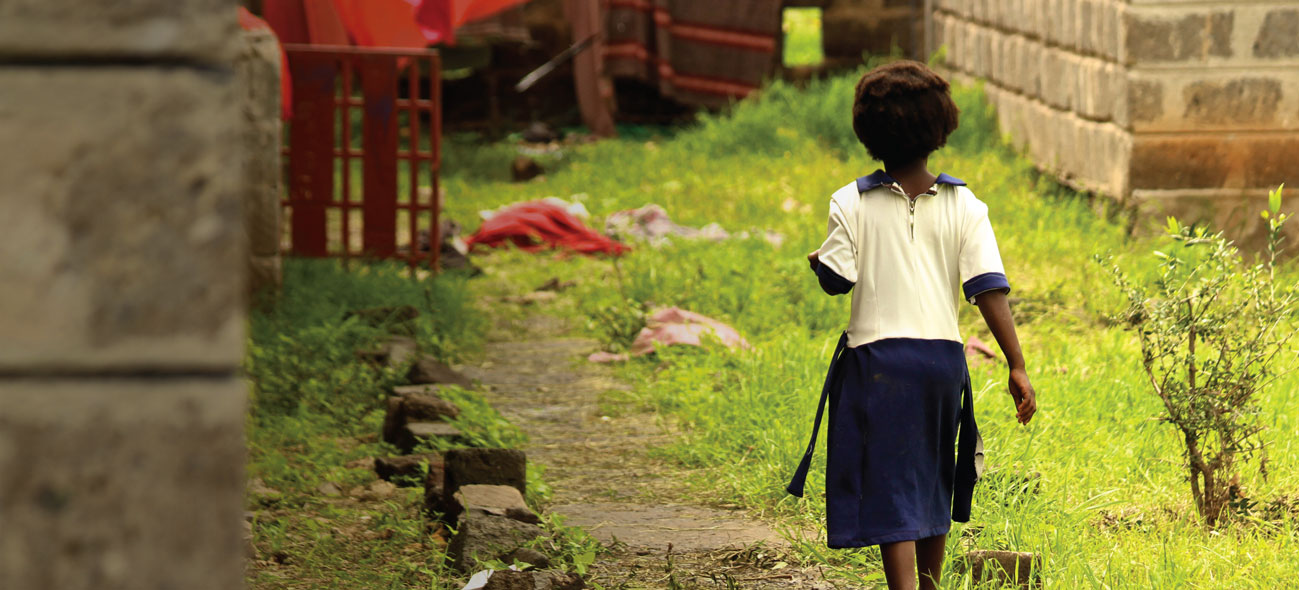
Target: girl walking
x=904, y=451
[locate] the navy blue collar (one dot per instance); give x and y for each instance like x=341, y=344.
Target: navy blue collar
x=881, y=178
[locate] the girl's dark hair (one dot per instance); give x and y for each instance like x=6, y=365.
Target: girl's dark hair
x=902, y=112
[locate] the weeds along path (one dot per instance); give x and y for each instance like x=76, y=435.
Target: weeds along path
x=594, y=453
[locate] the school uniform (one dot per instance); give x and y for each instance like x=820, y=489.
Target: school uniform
x=898, y=388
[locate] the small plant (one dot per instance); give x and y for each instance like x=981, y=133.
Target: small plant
x=1211, y=326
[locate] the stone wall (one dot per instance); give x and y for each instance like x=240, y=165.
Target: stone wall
x=122, y=260
x=1173, y=107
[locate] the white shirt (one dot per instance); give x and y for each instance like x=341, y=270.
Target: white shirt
x=909, y=261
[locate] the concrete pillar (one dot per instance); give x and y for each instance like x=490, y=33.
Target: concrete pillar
x=122, y=261
x=257, y=69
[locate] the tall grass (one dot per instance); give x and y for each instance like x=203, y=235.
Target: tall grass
x=1092, y=484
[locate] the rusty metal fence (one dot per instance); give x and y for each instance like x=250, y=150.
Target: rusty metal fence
x=362, y=159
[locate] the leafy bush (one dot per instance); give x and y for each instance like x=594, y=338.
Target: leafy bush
x=1211, y=327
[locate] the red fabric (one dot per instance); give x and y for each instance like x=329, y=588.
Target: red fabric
x=249, y=22
x=288, y=18
x=535, y=225
x=382, y=23
x=439, y=18
x=437, y=21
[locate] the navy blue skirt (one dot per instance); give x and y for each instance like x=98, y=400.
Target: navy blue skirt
x=896, y=407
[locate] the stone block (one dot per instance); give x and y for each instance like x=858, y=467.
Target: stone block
x=1214, y=100
x=484, y=537
x=413, y=434
x=507, y=467
x=1089, y=26
x=126, y=229
x=125, y=483
x=491, y=499
x=1145, y=100
x=1017, y=568
x=191, y=30
x=1152, y=37
x=1059, y=73
x=1112, y=30
x=1214, y=160
x=1279, y=34
x=1238, y=101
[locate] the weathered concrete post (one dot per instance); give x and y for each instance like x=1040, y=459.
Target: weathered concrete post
x=121, y=296
x=257, y=72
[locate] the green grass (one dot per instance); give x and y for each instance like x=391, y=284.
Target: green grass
x=802, y=28
x=1112, y=509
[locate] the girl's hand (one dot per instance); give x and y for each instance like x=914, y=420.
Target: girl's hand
x=1022, y=392
x=814, y=257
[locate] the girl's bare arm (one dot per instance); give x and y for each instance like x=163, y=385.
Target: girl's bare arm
x=996, y=313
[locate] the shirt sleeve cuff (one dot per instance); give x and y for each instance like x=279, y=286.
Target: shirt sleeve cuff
x=988, y=281
x=831, y=282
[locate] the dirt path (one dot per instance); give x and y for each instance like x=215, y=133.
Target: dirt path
x=603, y=477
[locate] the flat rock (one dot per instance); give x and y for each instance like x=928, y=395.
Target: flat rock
x=1014, y=567
x=532, y=557
x=420, y=389
x=496, y=500
x=483, y=537
x=415, y=432
x=530, y=580
x=377, y=490
x=329, y=489
x=505, y=467
x=427, y=369
x=406, y=469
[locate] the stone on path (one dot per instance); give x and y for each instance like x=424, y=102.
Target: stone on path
x=435, y=496
x=1015, y=567
x=505, y=467
x=530, y=556
x=530, y=580
x=329, y=488
x=405, y=468
x=422, y=389
x=484, y=537
x=491, y=499
x=413, y=433
x=428, y=408
x=414, y=407
x=430, y=370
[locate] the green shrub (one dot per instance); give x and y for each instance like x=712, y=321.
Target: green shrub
x=1211, y=328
